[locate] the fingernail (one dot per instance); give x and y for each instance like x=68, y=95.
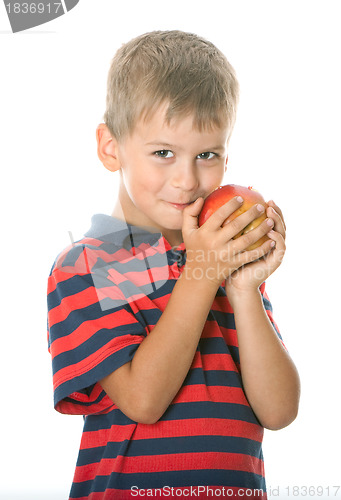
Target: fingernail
x=240, y=199
x=270, y=222
x=260, y=208
x=273, y=244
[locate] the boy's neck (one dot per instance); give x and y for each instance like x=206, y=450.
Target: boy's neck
x=174, y=237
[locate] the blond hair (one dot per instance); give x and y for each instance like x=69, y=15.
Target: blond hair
x=181, y=69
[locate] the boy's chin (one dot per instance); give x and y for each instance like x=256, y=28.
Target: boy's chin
x=171, y=224
x=176, y=226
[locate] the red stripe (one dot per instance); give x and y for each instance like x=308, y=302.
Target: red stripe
x=71, y=303
x=69, y=408
x=271, y=318
x=90, y=256
x=149, y=275
x=82, y=265
x=222, y=304
x=218, y=361
x=174, y=428
x=171, y=462
x=212, y=330
x=217, y=394
x=230, y=336
x=148, y=305
x=104, y=405
x=139, y=278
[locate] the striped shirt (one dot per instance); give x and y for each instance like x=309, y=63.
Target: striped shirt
x=106, y=292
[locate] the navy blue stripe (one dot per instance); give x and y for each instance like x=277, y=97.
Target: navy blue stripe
x=221, y=292
x=187, y=478
x=223, y=318
x=92, y=376
x=87, y=391
x=179, y=411
x=217, y=345
x=268, y=307
x=78, y=282
x=165, y=446
x=116, y=417
x=209, y=409
x=72, y=256
x=220, y=378
x=192, y=444
x=90, y=313
x=267, y=304
x=71, y=286
x=162, y=289
x=148, y=317
x=234, y=353
x=212, y=345
x=94, y=343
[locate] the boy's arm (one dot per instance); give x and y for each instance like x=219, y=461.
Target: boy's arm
x=144, y=388
x=270, y=378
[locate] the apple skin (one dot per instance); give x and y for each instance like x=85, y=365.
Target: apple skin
x=222, y=195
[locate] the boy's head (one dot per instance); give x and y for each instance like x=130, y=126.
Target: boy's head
x=182, y=70
x=171, y=107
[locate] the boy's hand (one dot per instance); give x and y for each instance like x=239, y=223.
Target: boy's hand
x=251, y=276
x=212, y=254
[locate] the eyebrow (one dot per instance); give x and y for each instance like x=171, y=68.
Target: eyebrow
x=165, y=145
x=160, y=144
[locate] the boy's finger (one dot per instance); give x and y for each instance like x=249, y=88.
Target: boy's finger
x=190, y=215
x=218, y=217
x=279, y=250
x=236, y=226
x=279, y=222
x=273, y=205
x=253, y=255
x=250, y=238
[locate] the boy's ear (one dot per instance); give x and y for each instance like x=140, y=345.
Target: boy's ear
x=107, y=148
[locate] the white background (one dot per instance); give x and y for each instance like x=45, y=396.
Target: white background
x=286, y=144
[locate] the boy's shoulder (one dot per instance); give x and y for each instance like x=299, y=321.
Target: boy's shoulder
x=122, y=262
x=109, y=240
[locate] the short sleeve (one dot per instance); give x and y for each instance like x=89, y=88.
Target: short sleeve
x=86, y=340
x=269, y=311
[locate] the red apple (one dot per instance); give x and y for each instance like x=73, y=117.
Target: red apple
x=222, y=195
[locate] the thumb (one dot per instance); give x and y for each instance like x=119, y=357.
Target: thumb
x=190, y=215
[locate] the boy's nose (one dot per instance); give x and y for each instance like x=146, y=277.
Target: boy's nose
x=185, y=176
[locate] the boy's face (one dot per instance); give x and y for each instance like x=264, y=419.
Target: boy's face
x=166, y=167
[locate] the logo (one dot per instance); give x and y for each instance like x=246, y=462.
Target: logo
x=25, y=15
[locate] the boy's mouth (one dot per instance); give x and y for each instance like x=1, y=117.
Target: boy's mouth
x=179, y=206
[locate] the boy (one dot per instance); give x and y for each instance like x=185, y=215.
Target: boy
x=176, y=364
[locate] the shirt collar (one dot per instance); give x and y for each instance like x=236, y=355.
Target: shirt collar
x=118, y=232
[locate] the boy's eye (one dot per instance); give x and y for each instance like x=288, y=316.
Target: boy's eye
x=164, y=153
x=206, y=156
